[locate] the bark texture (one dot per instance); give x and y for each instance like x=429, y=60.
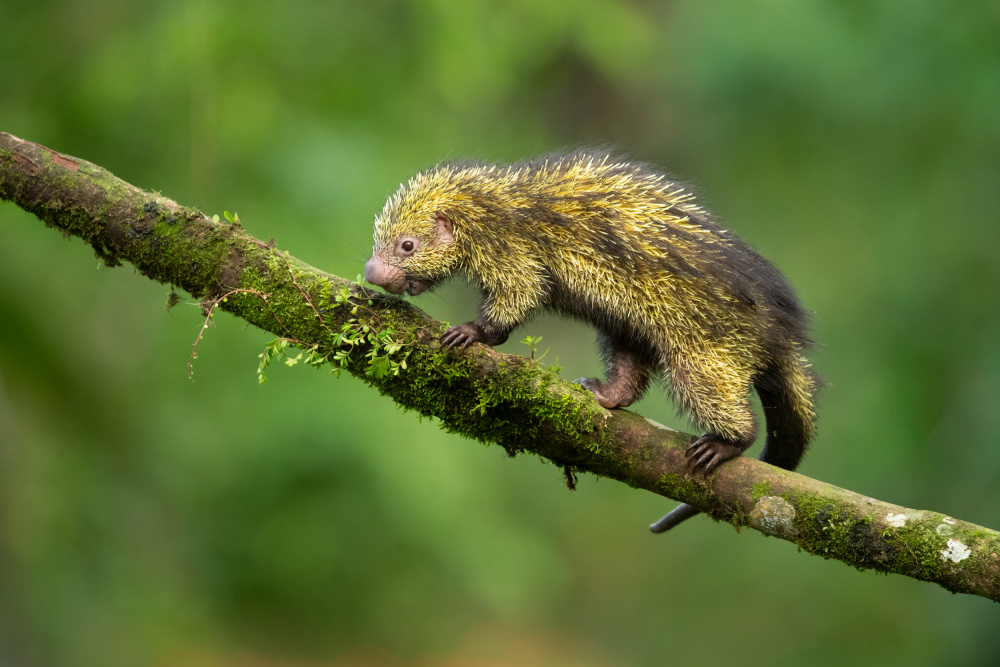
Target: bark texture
x=496, y=398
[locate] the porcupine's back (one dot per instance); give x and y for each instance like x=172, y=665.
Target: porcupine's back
x=622, y=245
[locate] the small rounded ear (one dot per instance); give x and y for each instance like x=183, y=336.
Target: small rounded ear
x=443, y=229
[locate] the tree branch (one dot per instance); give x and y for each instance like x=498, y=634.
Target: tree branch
x=481, y=393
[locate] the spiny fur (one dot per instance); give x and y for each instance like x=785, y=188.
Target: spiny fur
x=621, y=246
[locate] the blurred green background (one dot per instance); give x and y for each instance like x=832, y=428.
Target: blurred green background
x=146, y=519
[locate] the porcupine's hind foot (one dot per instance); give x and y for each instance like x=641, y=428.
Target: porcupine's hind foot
x=607, y=394
x=628, y=374
x=704, y=454
x=711, y=449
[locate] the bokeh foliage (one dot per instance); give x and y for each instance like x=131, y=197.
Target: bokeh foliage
x=148, y=519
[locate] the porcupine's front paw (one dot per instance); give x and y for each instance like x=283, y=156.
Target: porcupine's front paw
x=461, y=335
x=710, y=450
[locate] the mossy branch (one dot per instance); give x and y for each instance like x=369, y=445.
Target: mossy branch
x=483, y=394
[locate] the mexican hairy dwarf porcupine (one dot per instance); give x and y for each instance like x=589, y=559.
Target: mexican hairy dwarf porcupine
x=620, y=246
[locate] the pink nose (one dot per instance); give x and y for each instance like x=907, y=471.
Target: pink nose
x=379, y=272
x=370, y=271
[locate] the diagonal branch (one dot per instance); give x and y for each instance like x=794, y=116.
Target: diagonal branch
x=482, y=394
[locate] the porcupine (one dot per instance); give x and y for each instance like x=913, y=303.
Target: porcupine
x=621, y=246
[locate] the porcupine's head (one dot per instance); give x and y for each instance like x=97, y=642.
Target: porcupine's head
x=415, y=235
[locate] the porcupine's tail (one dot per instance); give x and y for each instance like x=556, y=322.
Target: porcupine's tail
x=786, y=393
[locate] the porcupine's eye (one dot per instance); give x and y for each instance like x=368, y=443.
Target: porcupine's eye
x=406, y=247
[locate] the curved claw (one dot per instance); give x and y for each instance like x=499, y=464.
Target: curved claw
x=450, y=339
x=461, y=335
x=708, y=451
x=708, y=461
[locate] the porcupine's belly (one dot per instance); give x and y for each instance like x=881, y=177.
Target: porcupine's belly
x=669, y=312
x=616, y=304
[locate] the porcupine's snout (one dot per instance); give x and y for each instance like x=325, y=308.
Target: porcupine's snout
x=379, y=272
